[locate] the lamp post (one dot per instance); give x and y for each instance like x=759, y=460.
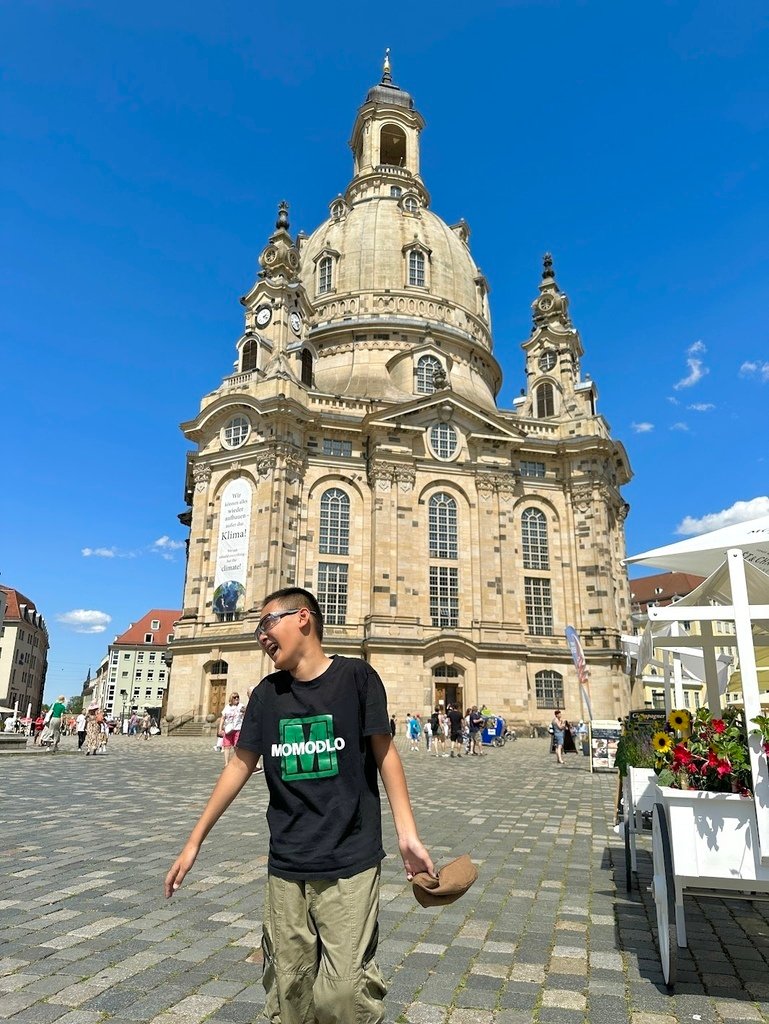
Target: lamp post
x=124, y=697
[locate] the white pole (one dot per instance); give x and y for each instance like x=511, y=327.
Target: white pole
x=711, y=670
x=678, y=680
x=751, y=699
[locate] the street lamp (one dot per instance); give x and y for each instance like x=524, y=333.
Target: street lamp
x=124, y=696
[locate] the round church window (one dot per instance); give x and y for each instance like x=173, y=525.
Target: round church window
x=443, y=441
x=235, y=432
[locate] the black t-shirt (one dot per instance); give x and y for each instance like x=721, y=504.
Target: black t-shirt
x=476, y=721
x=324, y=812
x=455, y=718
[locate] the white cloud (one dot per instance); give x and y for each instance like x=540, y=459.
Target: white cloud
x=701, y=406
x=739, y=512
x=642, y=428
x=167, y=544
x=82, y=620
x=696, y=368
x=761, y=370
x=98, y=552
x=164, y=547
x=680, y=426
x=673, y=400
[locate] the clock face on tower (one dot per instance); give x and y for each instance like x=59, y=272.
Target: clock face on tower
x=263, y=316
x=547, y=360
x=296, y=322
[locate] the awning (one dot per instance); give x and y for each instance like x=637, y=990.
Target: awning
x=704, y=554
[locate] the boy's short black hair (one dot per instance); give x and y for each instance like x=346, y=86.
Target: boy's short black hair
x=298, y=597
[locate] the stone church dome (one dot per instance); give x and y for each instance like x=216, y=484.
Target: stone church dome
x=372, y=240
x=386, y=276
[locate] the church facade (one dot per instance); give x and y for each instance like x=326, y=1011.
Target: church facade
x=358, y=451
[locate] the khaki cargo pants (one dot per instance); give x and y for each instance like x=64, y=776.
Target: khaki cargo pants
x=319, y=942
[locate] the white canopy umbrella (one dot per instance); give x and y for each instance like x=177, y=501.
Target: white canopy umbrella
x=704, y=554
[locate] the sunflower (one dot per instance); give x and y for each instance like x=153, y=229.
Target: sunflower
x=661, y=742
x=679, y=720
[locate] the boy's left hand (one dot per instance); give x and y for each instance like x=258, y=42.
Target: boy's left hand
x=415, y=857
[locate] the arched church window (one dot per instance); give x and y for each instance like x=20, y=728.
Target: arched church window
x=442, y=524
x=426, y=367
x=250, y=356
x=325, y=275
x=534, y=539
x=219, y=668
x=410, y=205
x=396, y=191
x=545, y=401
x=334, y=522
x=307, y=367
x=549, y=689
x=392, y=145
x=417, y=268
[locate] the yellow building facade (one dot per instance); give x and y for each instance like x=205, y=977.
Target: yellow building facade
x=358, y=451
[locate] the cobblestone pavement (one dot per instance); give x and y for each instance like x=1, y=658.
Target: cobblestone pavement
x=547, y=934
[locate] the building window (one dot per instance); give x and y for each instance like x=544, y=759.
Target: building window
x=306, y=367
x=417, y=268
x=539, y=606
x=155, y=624
x=339, y=449
x=532, y=469
x=332, y=592
x=249, y=359
x=443, y=526
x=219, y=668
x=153, y=655
x=334, y=523
x=443, y=440
x=337, y=210
x=396, y=191
x=410, y=205
x=444, y=596
x=170, y=638
x=148, y=693
x=148, y=639
x=426, y=367
x=545, y=401
x=534, y=539
x=392, y=145
x=549, y=689
x=150, y=673
x=325, y=275
x=233, y=435
x=139, y=657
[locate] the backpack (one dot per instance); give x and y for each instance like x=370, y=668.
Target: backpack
x=434, y=721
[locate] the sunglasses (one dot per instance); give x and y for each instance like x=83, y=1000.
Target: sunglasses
x=270, y=621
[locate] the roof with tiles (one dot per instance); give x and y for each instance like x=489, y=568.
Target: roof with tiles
x=138, y=631
x=15, y=600
x=662, y=588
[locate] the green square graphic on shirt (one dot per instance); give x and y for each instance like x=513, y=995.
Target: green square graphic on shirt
x=307, y=748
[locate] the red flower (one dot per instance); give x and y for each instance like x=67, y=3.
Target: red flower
x=766, y=746
x=723, y=767
x=681, y=755
x=692, y=768
x=718, y=725
x=713, y=759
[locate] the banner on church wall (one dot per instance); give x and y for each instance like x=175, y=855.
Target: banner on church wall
x=232, y=549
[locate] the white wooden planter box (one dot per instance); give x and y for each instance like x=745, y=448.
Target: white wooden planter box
x=714, y=838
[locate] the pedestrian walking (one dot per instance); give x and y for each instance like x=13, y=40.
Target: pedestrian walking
x=37, y=727
x=393, y=726
x=232, y=720
x=80, y=728
x=146, y=725
x=92, y=730
x=322, y=726
x=559, y=734
x=55, y=721
x=415, y=731
x=475, y=721
x=427, y=729
x=455, y=717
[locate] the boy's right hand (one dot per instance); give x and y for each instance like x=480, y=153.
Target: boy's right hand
x=179, y=869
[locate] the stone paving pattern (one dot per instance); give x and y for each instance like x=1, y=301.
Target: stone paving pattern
x=547, y=934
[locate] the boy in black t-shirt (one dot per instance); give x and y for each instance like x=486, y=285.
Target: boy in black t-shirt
x=322, y=728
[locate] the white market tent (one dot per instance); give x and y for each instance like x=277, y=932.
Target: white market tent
x=704, y=554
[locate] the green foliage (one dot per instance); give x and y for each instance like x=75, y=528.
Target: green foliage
x=634, y=749
x=75, y=705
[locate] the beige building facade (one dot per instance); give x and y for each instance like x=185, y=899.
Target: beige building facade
x=23, y=652
x=358, y=450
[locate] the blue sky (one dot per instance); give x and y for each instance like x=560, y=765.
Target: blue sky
x=147, y=145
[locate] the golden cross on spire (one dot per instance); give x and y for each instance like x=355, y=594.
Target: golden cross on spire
x=386, y=75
